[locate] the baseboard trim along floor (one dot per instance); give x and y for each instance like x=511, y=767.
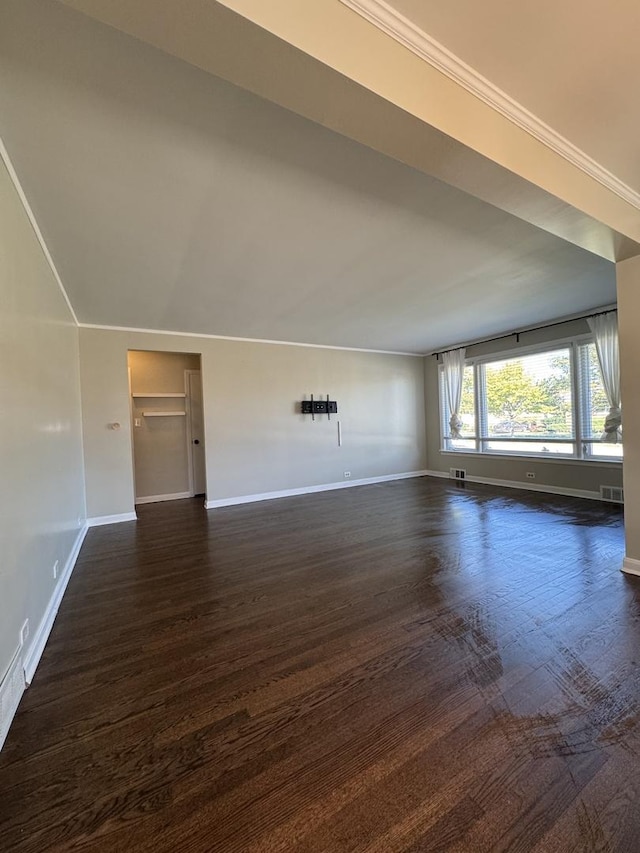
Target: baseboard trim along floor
x=309, y=490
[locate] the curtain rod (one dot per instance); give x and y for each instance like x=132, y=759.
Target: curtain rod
x=525, y=331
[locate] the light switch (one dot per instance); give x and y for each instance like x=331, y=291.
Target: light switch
x=137, y=422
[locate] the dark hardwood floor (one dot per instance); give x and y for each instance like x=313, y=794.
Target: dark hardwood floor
x=411, y=666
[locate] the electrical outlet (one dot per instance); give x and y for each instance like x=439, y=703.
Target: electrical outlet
x=24, y=632
x=530, y=475
x=55, y=569
x=347, y=474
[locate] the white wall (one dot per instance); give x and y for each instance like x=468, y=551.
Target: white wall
x=256, y=440
x=41, y=488
x=561, y=475
x=628, y=285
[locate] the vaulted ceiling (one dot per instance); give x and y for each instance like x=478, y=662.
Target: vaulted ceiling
x=173, y=199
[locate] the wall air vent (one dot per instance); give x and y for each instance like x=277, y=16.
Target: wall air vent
x=612, y=494
x=457, y=473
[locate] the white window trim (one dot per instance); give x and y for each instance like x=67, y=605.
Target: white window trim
x=556, y=459
x=580, y=456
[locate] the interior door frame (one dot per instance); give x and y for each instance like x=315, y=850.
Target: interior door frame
x=132, y=431
x=187, y=373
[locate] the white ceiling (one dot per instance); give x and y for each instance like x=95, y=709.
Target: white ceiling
x=573, y=64
x=170, y=199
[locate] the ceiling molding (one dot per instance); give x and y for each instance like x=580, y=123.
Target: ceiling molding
x=4, y=156
x=244, y=340
x=405, y=32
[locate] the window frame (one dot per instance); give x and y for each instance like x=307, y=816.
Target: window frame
x=588, y=440
x=583, y=444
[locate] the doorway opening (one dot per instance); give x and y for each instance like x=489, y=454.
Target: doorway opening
x=167, y=425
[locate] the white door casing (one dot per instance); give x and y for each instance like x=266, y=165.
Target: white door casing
x=195, y=432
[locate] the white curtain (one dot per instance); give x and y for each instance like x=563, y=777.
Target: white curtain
x=605, y=331
x=453, y=377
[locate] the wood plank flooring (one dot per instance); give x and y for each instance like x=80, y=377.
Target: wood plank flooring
x=410, y=666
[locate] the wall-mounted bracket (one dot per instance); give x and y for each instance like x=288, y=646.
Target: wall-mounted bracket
x=319, y=407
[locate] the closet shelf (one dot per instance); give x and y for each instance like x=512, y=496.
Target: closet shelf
x=164, y=394
x=162, y=414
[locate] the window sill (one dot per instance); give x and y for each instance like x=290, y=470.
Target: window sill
x=535, y=457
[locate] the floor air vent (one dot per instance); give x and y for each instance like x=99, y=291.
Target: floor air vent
x=612, y=494
x=457, y=473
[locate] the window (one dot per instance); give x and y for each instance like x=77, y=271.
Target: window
x=467, y=412
x=543, y=402
x=595, y=406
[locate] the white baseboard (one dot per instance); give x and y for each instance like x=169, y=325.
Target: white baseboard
x=25, y=660
x=631, y=566
x=34, y=652
x=517, y=484
x=12, y=687
x=308, y=490
x=154, y=499
x=99, y=520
